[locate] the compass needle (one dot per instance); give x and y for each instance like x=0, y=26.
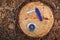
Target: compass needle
x=38, y=14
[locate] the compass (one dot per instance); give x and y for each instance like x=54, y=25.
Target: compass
x=36, y=19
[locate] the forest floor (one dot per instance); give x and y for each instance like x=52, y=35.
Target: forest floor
x=9, y=22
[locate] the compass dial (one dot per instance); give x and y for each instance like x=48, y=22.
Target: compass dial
x=36, y=23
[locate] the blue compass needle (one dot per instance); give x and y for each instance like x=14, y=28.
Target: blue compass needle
x=38, y=14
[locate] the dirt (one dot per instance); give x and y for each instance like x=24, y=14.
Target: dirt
x=9, y=21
